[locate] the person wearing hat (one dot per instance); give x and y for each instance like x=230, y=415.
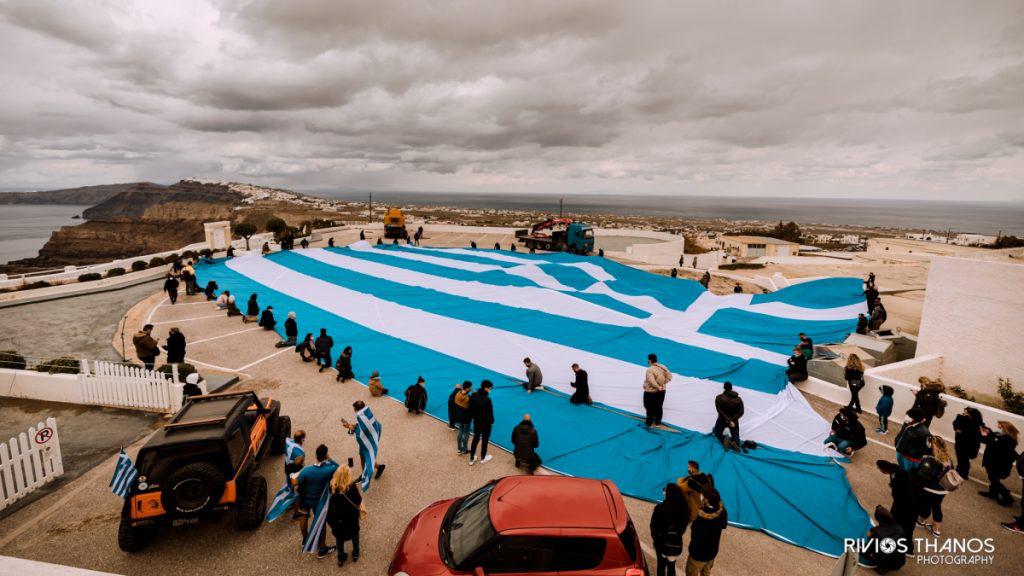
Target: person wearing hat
x=291, y=332
x=193, y=386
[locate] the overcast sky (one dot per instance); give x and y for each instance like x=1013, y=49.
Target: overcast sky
x=826, y=98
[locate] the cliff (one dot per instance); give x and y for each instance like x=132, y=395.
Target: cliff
x=85, y=195
x=142, y=219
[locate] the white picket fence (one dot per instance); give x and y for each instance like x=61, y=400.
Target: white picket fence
x=28, y=461
x=108, y=384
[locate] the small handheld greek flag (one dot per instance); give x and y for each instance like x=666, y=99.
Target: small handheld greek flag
x=124, y=475
x=368, y=437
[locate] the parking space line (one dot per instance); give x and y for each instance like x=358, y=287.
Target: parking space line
x=288, y=349
x=149, y=318
x=223, y=336
x=186, y=319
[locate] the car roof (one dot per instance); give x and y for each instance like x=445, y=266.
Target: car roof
x=202, y=418
x=519, y=502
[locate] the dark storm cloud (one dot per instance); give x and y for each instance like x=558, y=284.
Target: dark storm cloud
x=646, y=96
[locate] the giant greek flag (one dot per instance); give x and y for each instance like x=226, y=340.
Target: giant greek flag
x=458, y=314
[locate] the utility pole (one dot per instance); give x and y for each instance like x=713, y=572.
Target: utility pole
x=560, y=202
x=369, y=209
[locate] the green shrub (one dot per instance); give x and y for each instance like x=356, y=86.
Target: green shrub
x=89, y=276
x=115, y=272
x=1013, y=401
x=206, y=252
x=37, y=284
x=188, y=255
x=11, y=359
x=156, y=261
x=958, y=391
x=171, y=257
x=138, y=266
x=62, y=365
x=184, y=369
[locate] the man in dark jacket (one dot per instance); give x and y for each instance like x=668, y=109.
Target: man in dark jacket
x=267, y=321
x=904, y=507
x=967, y=427
x=175, y=347
x=323, y=345
x=847, y=432
x=482, y=412
x=886, y=529
x=146, y=347
x=912, y=441
x=706, y=534
x=171, y=287
x=581, y=395
x=416, y=396
x=862, y=324
x=729, y=406
x=525, y=442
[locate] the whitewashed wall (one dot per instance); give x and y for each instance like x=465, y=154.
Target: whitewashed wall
x=974, y=317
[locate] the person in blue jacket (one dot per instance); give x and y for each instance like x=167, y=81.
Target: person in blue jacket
x=884, y=409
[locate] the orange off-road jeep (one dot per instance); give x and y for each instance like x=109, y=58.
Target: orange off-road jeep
x=202, y=464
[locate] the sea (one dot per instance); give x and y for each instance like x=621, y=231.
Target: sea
x=24, y=228
x=913, y=215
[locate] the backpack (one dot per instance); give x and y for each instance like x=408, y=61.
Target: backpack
x=929, y=471
x=951, y=480
x=672, y=542
x=462, y=400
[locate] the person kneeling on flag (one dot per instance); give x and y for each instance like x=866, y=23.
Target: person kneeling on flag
x=312, y=484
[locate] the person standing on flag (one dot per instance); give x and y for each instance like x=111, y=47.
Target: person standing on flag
x=481, y=410
x=312, y=485
x=367, y=431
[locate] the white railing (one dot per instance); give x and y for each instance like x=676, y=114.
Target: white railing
x=28, y=461
x=108, y=384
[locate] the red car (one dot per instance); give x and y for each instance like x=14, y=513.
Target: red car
x=524, y=525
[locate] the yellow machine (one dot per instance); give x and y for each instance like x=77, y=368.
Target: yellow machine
x=394, y=224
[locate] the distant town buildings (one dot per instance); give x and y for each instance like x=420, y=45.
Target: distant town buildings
x=757, y=246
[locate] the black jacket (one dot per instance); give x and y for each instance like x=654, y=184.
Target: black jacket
x=267, y=319
x=797, y=365
x=968, y=435
x=252, y=308
x=706, y=533
x=999, y=453
x=904, y=497
x=524, y=441
x=729, y=405
x=854, y=377
x=851, y=430
x=170, y=285
x=893, y=560
x=664, y=520
x=929, y=402
x=913, y=440
x=416, y=397
x=291, y=328
x=324, y=344
x=175, y=348
x=345, y=367
x=581, y=387
x=481, y=410
x=343, y=513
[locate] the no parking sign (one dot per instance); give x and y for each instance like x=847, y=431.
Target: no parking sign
x=43, y=435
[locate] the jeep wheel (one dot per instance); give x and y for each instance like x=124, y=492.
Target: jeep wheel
x=252, y=506
x=131, y=538
x=282, y=430
x=192, y=489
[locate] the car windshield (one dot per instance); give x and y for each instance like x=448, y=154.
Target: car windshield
x=471, y=525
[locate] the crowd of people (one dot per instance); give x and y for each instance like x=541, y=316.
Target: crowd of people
x=925, y=471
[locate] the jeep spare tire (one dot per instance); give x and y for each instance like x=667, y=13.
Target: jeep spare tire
x=192, y=489
x=282, y=431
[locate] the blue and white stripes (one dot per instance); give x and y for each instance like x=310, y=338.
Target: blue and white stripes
x=368, y=431
x=125, y=474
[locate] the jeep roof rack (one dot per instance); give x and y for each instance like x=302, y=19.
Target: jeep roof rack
x=188, y=423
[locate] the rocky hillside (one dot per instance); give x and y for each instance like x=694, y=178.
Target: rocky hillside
x=141, y=219
x=85, y=195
